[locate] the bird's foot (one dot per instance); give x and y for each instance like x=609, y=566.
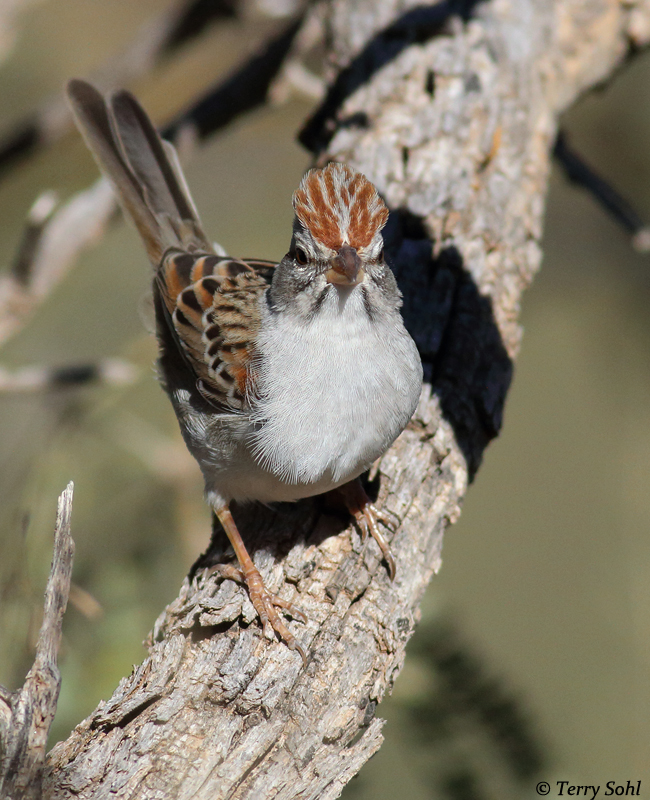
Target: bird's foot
x=266, y=604
x=367, y=516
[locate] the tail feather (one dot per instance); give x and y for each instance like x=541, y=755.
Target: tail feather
x=149, y=183
x=175, y=164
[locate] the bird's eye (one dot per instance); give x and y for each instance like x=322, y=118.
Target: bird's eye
x=380, y=257
x=301, y=256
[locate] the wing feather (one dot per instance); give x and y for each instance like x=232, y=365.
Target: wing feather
x=213, y=306
x=210, y=304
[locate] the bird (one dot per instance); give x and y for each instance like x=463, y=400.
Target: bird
x=289, y=379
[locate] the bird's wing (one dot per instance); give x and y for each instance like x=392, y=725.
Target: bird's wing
x=212, y=306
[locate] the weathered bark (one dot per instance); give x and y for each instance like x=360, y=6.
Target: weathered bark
x=454, y=120
x=26, y=715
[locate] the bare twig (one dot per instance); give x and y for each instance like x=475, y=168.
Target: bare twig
x=295, y=77
x=582, y=174
x=28, y=713
x=111, y=371
x=154, y=39
x=39, y=215
x=49, y=250
x=242, y=91
x=52, y=241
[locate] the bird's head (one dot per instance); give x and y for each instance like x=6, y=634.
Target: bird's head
x=337, y=227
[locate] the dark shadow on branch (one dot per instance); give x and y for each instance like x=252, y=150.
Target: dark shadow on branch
x=454, y=328
x=198, y=15
x=414, y=27
x=242, y=91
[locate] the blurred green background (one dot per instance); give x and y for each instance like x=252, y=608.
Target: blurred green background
x=532, y=662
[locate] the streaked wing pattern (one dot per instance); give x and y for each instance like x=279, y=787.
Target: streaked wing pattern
x=213, y=305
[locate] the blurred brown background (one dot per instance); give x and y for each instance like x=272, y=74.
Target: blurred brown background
x=545, y=588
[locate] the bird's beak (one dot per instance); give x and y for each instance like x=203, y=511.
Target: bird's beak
x=345, y=267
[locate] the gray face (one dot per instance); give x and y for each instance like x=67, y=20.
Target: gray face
x=311, y=271
x=337, y=249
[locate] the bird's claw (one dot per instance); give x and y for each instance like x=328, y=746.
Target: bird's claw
x=266, y=605
x=367, y=519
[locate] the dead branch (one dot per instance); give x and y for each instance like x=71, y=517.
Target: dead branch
x=110, y=371
x=50, y=247
x=582, y=174
x=153, y=40
x=52, y=240
x=452, y=112
x=242, y=91
x=27, y=714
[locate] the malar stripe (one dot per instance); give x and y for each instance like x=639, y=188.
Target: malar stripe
x=367, y=305
x=318, y=302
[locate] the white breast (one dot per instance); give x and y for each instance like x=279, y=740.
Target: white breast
x=334, y=392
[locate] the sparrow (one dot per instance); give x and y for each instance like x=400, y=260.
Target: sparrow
x=288, y=380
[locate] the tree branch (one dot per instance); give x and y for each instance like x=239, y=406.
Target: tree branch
x=153, y=40
x=26, y=715
x=455, y=124
x=579, y=172
x=49, y=249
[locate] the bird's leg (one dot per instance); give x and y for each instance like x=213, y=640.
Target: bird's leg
x=367, y=516
x=265, y=603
